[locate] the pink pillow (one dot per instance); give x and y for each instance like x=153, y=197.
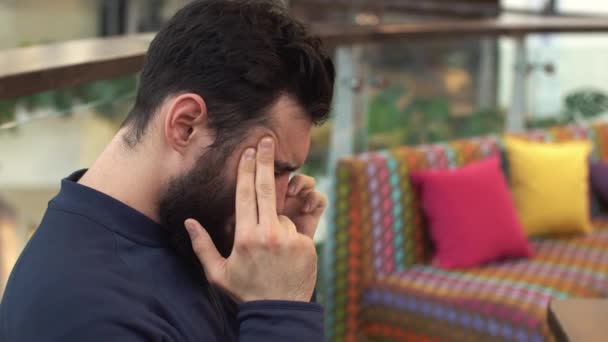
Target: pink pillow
x=471, y=216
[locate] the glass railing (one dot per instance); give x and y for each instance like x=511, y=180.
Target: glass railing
x=424, y=92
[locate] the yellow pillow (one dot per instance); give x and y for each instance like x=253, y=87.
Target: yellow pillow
x=549, y=183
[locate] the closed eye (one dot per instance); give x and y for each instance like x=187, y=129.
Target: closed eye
x=281, y=169
x=279, y=173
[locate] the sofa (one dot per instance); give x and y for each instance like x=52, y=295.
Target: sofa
x=380, y=285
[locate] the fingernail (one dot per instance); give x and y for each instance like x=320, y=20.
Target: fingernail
x=266, y=142
x=292, y=189
x=249, y=154
x=308, y=207
x=190, y=228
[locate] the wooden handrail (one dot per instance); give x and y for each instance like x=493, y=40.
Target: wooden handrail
x=25, y=71
x=506, y=25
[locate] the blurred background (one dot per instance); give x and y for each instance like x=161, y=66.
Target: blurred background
x=421, y=84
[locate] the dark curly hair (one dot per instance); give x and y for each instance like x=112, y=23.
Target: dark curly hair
x=238, y=55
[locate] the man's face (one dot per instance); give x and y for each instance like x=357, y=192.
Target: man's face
x=207, y=192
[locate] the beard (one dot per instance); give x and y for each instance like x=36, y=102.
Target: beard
x=202, y=194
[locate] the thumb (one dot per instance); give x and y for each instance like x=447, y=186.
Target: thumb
x=205, y=250
x=307, y=227
x=310, y=224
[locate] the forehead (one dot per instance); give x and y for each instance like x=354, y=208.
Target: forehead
x=290, y=127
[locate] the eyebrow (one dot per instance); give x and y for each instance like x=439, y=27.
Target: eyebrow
x=282, y=166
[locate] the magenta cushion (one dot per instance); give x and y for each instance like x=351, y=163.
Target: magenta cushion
x=471, y=216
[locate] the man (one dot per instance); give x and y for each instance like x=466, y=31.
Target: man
x=227, y=98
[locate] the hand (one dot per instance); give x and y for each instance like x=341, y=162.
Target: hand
x=303, y=205
x=270, y=259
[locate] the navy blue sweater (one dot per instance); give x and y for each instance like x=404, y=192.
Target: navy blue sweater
x=98, y=270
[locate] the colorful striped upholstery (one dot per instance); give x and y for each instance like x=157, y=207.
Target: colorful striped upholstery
x=378, y=251
x=506, y=301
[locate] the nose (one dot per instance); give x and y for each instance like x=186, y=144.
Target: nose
x=281, y=184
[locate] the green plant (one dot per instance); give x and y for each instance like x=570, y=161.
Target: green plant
x=7, y=110
x=396, y=119
x=478, y=123
x=105, y=95
x=583, y=104
x=586, y=103
x=316, y=163
x=384, y=114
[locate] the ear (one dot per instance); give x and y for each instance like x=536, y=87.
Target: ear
x=186, y=113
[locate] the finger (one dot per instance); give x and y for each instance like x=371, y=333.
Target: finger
x=246, y=212
x=205, y=251
x=303, y=194
x=299, y=183
x=264, y=182
x=287, y=224
x=314, y=202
